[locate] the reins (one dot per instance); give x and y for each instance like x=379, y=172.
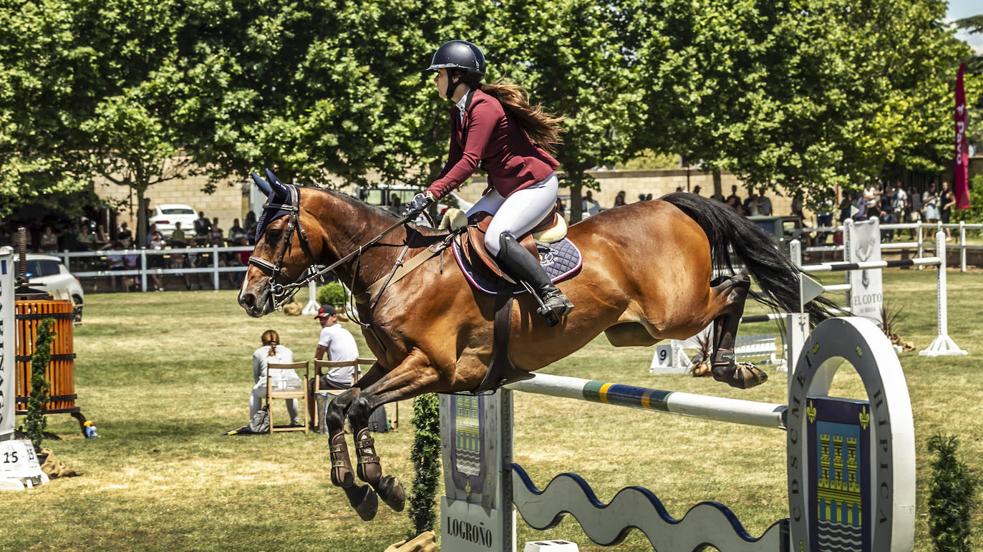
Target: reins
x=280, y=294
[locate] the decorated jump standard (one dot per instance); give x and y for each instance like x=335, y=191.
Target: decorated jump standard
x=850, y=468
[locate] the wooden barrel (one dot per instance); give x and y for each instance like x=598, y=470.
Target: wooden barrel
x=61, y=369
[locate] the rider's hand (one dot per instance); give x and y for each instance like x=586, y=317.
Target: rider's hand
x=420, y=202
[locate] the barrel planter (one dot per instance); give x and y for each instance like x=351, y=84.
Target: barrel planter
x=60, y=372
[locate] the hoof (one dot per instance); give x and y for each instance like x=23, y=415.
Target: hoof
x=364, y=500
x=391, y=491
x=746, y=375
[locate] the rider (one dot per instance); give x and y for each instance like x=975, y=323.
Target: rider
x=493, y=125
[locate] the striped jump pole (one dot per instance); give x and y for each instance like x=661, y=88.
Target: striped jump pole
x=674, y=402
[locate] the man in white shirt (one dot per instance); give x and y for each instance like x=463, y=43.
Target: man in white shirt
x=339, y=344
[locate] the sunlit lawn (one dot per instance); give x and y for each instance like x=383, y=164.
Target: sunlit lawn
x=165, y=374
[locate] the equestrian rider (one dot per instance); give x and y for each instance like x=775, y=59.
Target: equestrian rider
x=493, y=125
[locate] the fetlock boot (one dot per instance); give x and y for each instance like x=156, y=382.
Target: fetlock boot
x=521, y=265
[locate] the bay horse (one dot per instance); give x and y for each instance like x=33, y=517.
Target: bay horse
x=647, y=275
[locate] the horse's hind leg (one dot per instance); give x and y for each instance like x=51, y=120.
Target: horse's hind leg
x=361, y=497
x=734, y=291
x=412, y=377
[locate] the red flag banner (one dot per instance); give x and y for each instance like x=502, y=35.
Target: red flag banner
x=960, y=177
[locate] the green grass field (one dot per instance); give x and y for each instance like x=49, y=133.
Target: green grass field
x=164, y=375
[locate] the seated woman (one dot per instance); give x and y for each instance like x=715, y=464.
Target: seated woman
x=272, y=351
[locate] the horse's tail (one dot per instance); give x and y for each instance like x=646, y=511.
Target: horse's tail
x=777, y=277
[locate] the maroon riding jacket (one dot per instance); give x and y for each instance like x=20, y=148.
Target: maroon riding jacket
x=492, y=139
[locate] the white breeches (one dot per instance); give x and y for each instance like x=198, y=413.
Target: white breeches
x=519, y=212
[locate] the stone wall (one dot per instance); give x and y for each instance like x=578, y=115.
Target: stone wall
x=656, y=182
x=226, y=203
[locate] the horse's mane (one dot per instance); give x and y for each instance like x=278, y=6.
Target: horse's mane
x=384, y=214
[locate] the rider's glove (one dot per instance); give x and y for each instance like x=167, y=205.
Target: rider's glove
x=420, y=202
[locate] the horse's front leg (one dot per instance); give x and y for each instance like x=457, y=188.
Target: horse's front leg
x=412, y=377
x=361, y=497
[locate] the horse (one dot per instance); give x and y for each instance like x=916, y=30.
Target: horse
x=647, y=275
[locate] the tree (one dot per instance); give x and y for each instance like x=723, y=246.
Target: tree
x=38, y=124
x=798, y=95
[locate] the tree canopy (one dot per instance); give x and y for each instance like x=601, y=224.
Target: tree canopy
x=796, y=94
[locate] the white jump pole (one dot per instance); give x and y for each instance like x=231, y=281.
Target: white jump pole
x=943, y=344
x=312, y=304
x=7, y=337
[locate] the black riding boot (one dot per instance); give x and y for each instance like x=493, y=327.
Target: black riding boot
x=522, y=266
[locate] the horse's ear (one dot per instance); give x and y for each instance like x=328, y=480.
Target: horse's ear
x=263, y=185
x=280, y=189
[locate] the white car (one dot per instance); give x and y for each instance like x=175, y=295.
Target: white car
x=47, y=273
x=166, y=214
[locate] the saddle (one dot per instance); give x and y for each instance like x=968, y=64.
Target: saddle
x=551, y=229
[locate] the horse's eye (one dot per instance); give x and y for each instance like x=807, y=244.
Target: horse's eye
x=273, y=236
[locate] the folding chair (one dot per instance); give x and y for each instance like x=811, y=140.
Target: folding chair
x=321, y=368
x=286, y=394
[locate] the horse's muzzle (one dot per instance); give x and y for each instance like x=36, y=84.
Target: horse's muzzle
x=255, y=306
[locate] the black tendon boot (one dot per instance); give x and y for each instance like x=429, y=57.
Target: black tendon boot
x=522, y=266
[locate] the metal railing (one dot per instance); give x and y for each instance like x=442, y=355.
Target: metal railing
x=918, y=244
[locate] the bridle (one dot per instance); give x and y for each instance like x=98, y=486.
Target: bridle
x=282, y=293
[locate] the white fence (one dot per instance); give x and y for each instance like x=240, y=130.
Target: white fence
x=919, y=240
x=138, y=262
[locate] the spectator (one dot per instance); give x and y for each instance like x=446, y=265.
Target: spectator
x=619, y=199
x=178, y=260
x=679, y=189
x=930, y=204
x=250, y=223
x=236, y=233
x=102, y=239
x=49, y=240
x=150, y=234
x=339, y=344
x=202, y=227
x=872, y=196
x=796, y=208
x=733, y=197
x=758, y=205
x=735, y=203
x=899, y=203
x=215, y=235
x=272, y=351
x=156, y=261
x=641, y=197
x=948, y=201
x=86, y=239
x=124, y=233
x=648, y=197
x=697, y=190
x=396, y=205
x=589, y=205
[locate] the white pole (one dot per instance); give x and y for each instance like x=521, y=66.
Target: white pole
x=143, y=269
x=312, y=304
x=962, y=246
x=795, y=255
x=7, y=336
x=943, y=345
x=215, y=283
x=921, y=242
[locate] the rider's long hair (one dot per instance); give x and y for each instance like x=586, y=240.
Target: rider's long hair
x=541, y=127
x=271, y=338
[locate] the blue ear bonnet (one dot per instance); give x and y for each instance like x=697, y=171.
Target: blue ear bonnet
x=279, y=201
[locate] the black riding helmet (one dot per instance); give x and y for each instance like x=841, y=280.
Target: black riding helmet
x=462, y=56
